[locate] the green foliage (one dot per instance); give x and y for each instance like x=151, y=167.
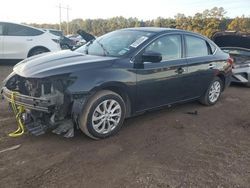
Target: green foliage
x=206, y=23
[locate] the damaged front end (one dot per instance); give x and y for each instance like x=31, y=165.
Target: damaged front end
x=47, y=103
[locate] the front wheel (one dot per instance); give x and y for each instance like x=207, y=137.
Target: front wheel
x=103, y=115
x=213, y=92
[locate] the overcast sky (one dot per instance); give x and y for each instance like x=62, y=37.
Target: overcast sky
x=46, y=11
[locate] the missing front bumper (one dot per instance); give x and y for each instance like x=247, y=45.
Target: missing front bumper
x=39, y=114
x=29, y=102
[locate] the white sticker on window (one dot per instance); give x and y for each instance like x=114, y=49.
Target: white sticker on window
x=138, y=41
x=122, y=52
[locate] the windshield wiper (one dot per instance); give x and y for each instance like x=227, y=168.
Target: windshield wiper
x=105, y=51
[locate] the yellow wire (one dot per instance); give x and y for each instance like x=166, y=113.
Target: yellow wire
x=18, y=112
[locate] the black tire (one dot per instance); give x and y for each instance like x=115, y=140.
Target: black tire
x=248, y=84
x=37, y=51
x=98, y=99
x=205, y=99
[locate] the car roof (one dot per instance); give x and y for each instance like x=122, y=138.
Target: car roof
x=151, y=29
x=160, y=30
x=22, y=25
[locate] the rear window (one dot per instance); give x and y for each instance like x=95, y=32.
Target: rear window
x=20, y=30
x=196, y=47
x=57, y=33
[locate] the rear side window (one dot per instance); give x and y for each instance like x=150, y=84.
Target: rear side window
x=20, y=30
x=196, y=47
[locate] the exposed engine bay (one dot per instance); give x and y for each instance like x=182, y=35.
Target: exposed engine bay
x=46, y=101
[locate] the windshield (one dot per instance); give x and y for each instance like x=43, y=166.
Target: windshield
x=116, y=43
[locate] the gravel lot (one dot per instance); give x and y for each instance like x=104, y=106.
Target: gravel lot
x=166, y=148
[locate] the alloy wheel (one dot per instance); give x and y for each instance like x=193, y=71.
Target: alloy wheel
x=214, y=91
x=106, y=116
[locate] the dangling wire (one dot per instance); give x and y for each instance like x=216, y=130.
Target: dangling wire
x=18, y=111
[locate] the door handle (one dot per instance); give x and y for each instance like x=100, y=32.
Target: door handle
x=211, y=66
x=180, y=70
x=29, y=39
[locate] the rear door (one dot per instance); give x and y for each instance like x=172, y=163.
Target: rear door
x=16, y=42
x=19, y=40
x=201, y=66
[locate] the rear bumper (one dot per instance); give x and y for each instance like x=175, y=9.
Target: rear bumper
x=29, y=102
x=241, y=74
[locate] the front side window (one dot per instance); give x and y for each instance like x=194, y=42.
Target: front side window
x=20, y=30
x=196, y=47
x=168, y=46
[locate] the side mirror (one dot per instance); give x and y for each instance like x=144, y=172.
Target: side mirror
x=151, y=56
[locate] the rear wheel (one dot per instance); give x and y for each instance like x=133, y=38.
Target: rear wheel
x=248, y=84
x=103, y=115
x=213, y=92
x=37, y=51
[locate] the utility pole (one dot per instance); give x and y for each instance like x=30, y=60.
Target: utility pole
x=60, y=16
x=67, y=19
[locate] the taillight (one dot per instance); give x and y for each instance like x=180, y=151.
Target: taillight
x=230, y=61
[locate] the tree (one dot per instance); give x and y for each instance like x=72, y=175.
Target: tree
x=206, y=23
x=240, y=24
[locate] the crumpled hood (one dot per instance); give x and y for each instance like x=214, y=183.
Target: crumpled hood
x=61, y=62
x=232, y=39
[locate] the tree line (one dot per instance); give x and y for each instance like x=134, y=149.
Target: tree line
x=205, y=23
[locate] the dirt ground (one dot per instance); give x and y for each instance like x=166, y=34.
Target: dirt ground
x=166, y=148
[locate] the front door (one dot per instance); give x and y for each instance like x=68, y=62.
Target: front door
x=164, y=82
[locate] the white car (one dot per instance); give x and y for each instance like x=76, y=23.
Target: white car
x=19, y=41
